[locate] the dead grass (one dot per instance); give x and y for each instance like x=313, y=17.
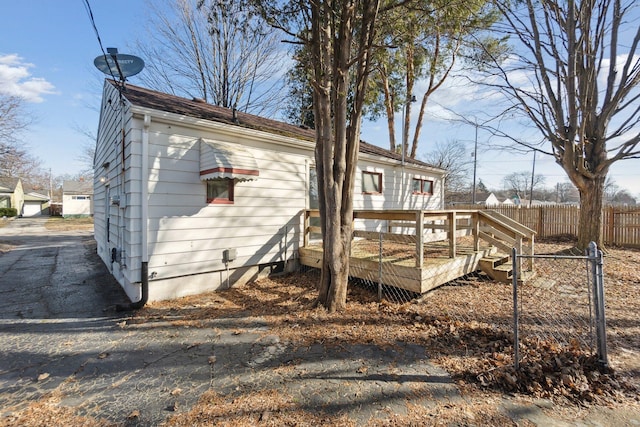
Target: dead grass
x=69, y=224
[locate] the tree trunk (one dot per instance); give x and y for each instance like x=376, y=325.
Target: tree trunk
x=590, y=226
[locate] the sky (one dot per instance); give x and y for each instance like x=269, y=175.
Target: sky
x=47, y=48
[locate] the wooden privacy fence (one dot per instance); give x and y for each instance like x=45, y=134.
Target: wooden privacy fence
x=620, y=225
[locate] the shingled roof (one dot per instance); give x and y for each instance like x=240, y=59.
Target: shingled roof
x=199, y=109
x=9, y=184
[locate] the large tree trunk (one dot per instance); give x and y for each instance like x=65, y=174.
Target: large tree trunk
x=590, y=226
x=338, y=130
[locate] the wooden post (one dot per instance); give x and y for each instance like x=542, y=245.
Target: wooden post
x=610, y=233
x=307, y=213
x=475, y=218
x=540, y=224
x=532, y=238
x=451, y=216
x=419, y=238
x=519, y=249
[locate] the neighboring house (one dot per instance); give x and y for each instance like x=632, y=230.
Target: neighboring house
x=35, y=204
x=191, y=197
x=77, y=199
x=491, y=200
x=11, y=194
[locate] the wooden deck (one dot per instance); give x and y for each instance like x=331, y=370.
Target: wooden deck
x=399, y=269
x=421, y=250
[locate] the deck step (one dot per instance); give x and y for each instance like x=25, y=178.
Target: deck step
x=498, y=267
x=494, y=261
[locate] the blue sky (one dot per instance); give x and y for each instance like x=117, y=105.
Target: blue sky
x=47, y=49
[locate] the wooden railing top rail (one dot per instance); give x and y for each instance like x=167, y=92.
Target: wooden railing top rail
x=504, y=221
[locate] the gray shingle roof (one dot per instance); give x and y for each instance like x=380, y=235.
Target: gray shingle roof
x=77, y=187
x=8, y=184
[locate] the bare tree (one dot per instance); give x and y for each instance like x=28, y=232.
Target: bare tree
x=575, y=75
x=13, y=119
x=429, y=40
x=453, y=157
x=15, y=159
x=217, y=50
x=520, y=183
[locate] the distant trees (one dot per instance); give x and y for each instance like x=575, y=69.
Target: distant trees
x=13, y=119
x=453, y=157
x=217, y=50
x=520, y=184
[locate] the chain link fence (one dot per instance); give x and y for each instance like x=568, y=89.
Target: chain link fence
x=562, y=306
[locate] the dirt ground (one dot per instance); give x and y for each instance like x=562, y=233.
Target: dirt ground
x=458, y=323
x=58, y=223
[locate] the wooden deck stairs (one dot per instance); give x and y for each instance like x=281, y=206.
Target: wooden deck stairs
x=499, y=267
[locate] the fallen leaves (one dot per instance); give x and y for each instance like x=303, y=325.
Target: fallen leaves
x=465, y=328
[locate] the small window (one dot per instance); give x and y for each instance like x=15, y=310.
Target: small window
x=422, y=186
x=220, y=191
x=371, y=182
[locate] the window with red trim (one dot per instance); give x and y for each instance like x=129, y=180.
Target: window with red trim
x=220, y=191
x=422, y=186
x=371, y=182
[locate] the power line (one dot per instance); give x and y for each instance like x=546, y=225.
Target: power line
x=87, y=7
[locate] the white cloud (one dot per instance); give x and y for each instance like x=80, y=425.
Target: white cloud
x=16, y=80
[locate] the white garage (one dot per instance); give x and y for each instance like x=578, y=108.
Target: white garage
x=35, y=205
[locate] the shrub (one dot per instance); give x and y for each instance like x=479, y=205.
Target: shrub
x=8, y=212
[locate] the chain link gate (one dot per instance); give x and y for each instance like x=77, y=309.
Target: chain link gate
x=568, y=292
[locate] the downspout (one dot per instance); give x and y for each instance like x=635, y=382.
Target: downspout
x=144, y=216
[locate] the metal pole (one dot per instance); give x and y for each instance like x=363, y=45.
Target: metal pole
x=380, y=269
x=598, y=299
x=533, y=172
x=404, y=143
x=516, y=337
x=475, y=164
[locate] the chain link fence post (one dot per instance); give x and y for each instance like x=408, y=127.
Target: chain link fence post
x=516, y=342
x=380, y=269
x=595, y=256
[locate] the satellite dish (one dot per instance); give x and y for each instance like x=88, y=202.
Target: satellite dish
x=118, y=64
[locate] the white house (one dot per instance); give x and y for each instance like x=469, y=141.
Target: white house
x=77, y=199
x=190, y=197
x=11, y=194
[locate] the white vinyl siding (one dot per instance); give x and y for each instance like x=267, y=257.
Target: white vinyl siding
x=186, y=234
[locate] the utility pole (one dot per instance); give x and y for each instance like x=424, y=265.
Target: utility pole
x=533, y=173
x=475, y=165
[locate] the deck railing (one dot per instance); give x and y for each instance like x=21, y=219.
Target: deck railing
x=423, y=226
